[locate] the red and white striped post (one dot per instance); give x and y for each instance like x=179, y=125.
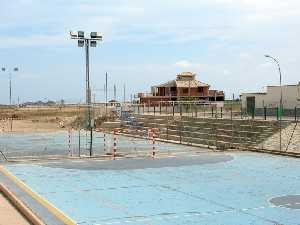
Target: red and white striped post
x=104, y=141
x=151, y=136
x=69, y=142
x=115, y=144
x=153, y=144
x=3, y=125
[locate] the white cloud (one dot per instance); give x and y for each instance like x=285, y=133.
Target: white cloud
x=183, y=64
x=226, y=72
x=34, y=40
x=186, y=64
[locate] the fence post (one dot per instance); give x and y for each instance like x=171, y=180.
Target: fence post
x=180, y=137
x=212, y=112
x=173, y=109
x=154, y=109
x=160, y=108
x=180, y=109
x=265, y=112
x=277, y=113
x=79, y=153
x=166, y=108
x=138, y=109
x=241, y=109
x=143, y=108
x=221, y=112
x=253, y=112
x=295, y=114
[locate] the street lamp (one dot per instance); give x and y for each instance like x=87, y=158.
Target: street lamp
x=16, y=69
x=87, y=42
x=280, y=104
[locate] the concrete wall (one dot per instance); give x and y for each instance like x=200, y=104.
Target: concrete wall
x=260, y=99
x=290, y=93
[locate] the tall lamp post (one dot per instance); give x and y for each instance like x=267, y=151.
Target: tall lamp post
x=87, y=42
x=16, y=69
x=280, y=104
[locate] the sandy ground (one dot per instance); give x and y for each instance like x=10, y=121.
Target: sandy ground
x=29, y=126
x=10, y=215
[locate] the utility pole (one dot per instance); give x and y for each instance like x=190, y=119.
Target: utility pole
x=106, y=93
x=124, y=93
x=115, y=92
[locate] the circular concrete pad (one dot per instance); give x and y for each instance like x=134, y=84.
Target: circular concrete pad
x=287, y=201
x=129, y=164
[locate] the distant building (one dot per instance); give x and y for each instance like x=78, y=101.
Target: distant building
x=184, y=87
x=271, y=98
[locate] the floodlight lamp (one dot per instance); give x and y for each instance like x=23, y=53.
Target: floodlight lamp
x=80, y=43
x=73, y=34
x=97, y=35
x=80, y=34
x=93, y=43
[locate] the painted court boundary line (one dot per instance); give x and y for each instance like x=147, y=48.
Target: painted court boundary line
x=55, y=211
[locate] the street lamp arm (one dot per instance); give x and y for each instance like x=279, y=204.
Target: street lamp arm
x=268, y=56
x=280, y=103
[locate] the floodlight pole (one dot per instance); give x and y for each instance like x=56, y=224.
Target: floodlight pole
x=87, y=42
x=280, y=104
x=88, y=93
x=10, y=83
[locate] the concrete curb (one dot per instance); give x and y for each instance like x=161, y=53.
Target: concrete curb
x=55, y=211
x=20, y=206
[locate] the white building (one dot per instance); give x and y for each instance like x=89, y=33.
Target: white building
x=271, y=98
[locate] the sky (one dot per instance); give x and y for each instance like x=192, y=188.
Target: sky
x=146, y=43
